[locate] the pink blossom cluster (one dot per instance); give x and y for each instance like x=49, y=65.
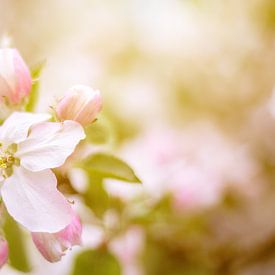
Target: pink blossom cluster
x=30, y=146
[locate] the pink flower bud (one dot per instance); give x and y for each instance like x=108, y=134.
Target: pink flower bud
x=4, y=251
x=15, y=77
x=53, y=245
x=82, y=104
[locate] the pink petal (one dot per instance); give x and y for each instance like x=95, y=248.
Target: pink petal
x=71, y=234
x=24, y=79
x=53, y=245
x=49, y=144
x=82, y=104
x=16, y=126
x=33, y=200
x=47, y=244
x=5, y=90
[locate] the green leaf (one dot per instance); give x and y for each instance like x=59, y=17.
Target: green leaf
x=33, y=96
x=96, y=196
x=107, y=166
x=97, y=262
x=100, y=132
x=17, y=250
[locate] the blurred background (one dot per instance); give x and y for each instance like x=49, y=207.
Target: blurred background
x=188, y=98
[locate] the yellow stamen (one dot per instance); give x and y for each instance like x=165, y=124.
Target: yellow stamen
x=10, y=159
x=3, y=162
x=7, y=160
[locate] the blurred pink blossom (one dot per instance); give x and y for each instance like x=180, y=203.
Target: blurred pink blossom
x=196, y=165
x=127, y=248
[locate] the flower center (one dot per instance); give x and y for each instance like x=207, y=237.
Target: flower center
x=7, y=160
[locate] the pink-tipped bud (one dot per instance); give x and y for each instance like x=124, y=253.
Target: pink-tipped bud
x=52, y=246
x=15, y=77
x=82, y=104
x=4, y=251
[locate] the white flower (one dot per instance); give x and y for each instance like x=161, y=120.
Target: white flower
x=30, y=147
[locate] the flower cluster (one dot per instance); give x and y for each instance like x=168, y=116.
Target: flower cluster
x=31, y=145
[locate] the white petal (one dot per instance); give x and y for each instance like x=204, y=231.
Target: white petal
x=16, y=126
x=49, y=144
x=33, y=200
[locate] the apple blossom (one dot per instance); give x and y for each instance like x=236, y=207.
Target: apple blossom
x=53, y=245
x=15, y=77
x=4, y=251
x=82, y=104
x=30, y=147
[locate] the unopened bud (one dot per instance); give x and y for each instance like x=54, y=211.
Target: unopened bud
x=82, y=104
x=15, y=77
